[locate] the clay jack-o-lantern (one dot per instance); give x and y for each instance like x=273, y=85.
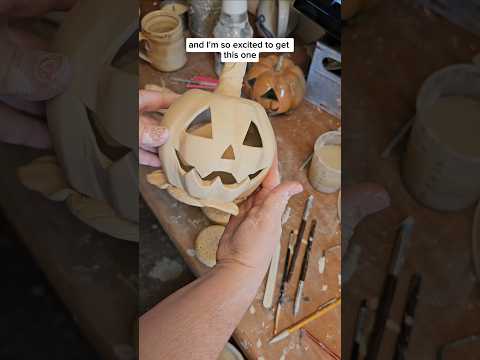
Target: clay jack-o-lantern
x=276, y=83
x=220, y=146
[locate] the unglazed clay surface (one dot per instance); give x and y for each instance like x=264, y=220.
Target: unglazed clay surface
x=45, y=176
x=162, y=33
x=220, y=146
x=216, y=216
x=206, y=244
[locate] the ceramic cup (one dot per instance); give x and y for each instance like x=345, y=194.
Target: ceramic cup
x=323, y=177
x=164, y=43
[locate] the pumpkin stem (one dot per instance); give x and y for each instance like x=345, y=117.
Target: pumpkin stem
x=279, y=65
x=231, y=79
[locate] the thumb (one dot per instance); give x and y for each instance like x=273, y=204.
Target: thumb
x=277, y=200
x=151, y=134
x=34, y=75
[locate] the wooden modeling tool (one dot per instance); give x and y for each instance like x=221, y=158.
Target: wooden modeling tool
x=281, y=296
x=198, y=82
x=272, y=278
x=273, y=270
x=396, y=265
x=322, y=310
x=303, y=274
x=359, y=330
x=322, y=346
x=455, y=344
x=301, y=231
x=397, y=138
x=306, y=161
x=408, y=318
x=322, y=263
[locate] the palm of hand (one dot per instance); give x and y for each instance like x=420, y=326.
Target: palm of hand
x=250, y=237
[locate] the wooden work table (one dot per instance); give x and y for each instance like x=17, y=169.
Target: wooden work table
x=94, y=274
x=295, y=133
x=390, y=50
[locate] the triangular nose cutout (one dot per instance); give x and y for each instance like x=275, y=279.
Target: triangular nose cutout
x=228, y=154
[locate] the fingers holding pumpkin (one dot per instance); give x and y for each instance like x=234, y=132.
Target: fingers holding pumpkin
x=151, y=133
x=148, y=158
x=21, y=129
x=155, y=100
x=277, y=199
x=23, y=8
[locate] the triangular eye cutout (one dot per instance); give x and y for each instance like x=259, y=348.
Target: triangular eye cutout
x=228, y=154
x=270, y=94
x=202, y=125
x=253, y=136
x=252, y=82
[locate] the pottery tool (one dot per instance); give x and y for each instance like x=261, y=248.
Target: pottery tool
x=306, y=161
x=456, y=344
x=322, y=262
x=359, y=330
x=198, y=82
x=476, y=241
x=322, y=345
x=396, y=265
x=408, y=318
x=281, y=296
x=272, y=277
x=397, y=138
x=286, y=215
x=273, y=270
x=303, y=274
x=301, y=231
x=322, y=310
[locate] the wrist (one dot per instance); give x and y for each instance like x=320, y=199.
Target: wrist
x=239, y=272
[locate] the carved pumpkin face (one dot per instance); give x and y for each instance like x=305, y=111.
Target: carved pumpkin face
x=220, y=147
x=276, y=83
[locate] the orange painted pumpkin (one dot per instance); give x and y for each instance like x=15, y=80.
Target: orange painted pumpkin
x=276, y=83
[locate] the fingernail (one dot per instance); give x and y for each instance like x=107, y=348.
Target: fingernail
x=296, y=189
x=52, y=67
x=156, y=136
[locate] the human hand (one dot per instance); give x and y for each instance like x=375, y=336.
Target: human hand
x=27, y=8
x=29, y=74
x=250, y=237
x=151, y=134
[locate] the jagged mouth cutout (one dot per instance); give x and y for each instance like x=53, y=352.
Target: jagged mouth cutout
x=202, y=126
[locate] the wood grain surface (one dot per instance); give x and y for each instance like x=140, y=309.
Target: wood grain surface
x=296, y=133
x=390, y=50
